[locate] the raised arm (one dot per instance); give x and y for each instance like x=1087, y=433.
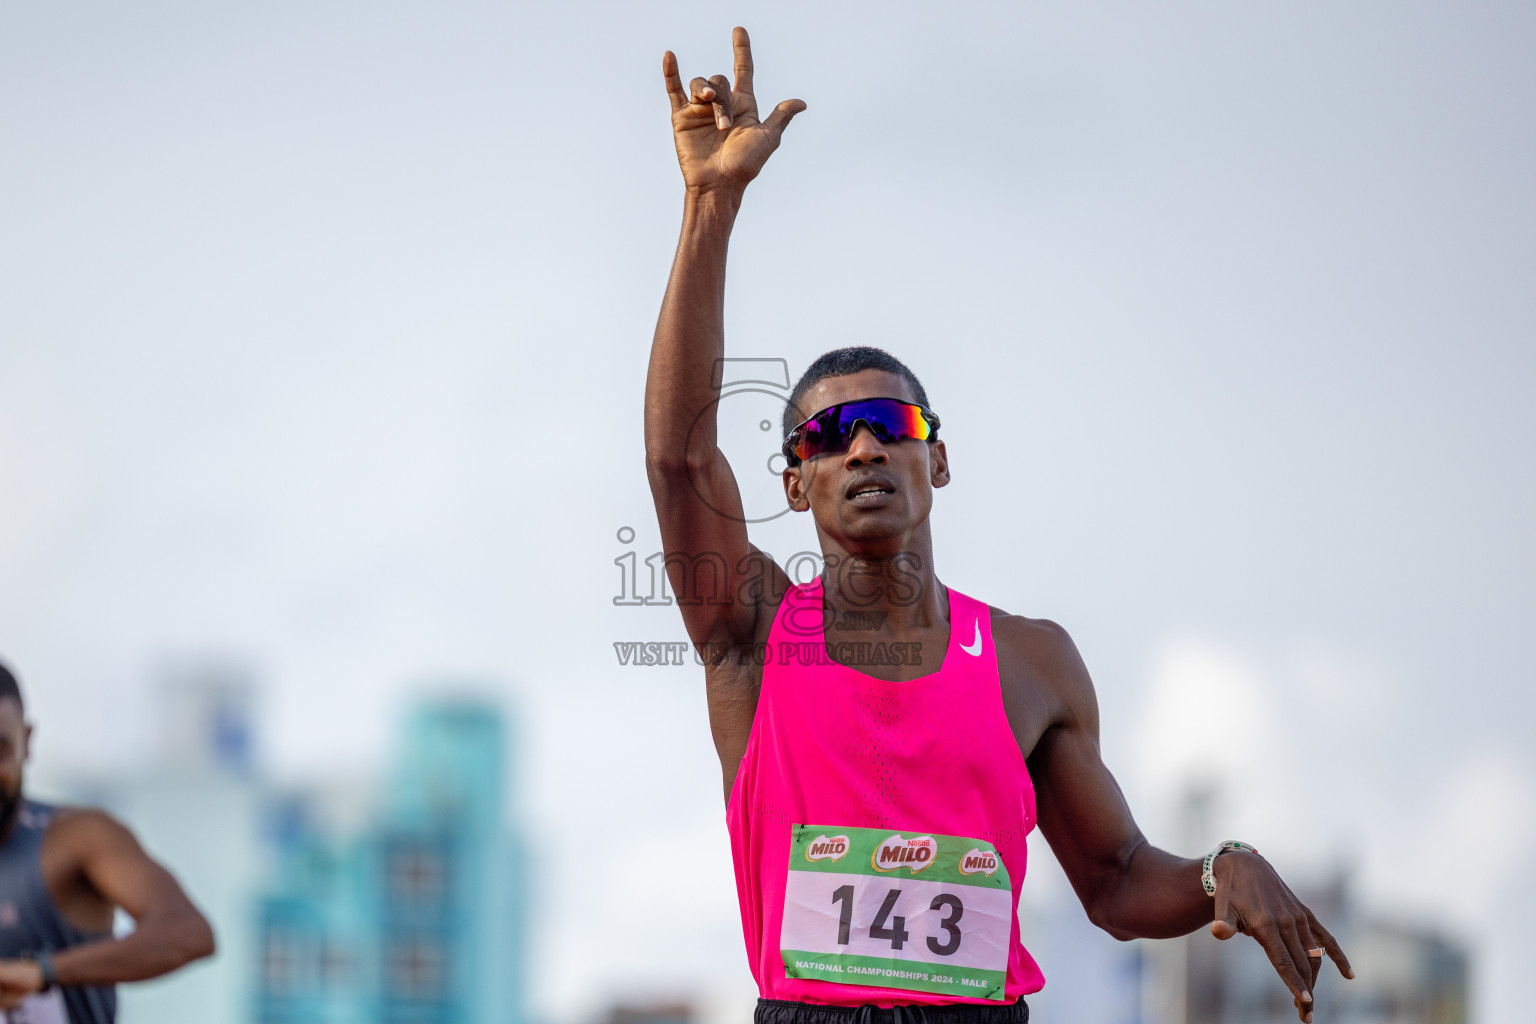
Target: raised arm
x=1129, y=887
x=721, y=146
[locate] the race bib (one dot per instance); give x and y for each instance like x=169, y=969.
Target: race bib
x=902, y=910
x=47, y=1008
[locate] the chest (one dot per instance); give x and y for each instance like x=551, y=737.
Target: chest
x=861, y=641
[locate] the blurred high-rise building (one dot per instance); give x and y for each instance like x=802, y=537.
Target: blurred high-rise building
x=195, y=803
x=663, y=1011
x=395, y=903
x=1404, y=974
x=418, y=919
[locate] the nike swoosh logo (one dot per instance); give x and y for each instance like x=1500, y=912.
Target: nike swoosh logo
x=974, y=650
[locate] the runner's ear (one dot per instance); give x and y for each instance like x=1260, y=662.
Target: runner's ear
x=794, y=489
x=939, y=456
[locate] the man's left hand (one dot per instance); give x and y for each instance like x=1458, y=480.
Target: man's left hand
x=1251, y=898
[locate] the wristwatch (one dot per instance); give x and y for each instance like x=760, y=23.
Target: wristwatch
x=1207, y=872
x=44, y=963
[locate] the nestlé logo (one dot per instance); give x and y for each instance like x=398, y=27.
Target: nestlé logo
x=827, y=848
x=979, y=862
x=913, y=854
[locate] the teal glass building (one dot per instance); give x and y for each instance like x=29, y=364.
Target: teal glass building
x=420, y=919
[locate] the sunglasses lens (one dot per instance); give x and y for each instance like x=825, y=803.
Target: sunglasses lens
x=889, y=419
x=831, y=430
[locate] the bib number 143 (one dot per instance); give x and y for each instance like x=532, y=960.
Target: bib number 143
x=889, y=925
x=913, y=911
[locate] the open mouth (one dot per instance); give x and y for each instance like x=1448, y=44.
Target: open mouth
x=870, y=492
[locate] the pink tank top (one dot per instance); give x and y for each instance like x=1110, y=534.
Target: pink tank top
x=878, y=829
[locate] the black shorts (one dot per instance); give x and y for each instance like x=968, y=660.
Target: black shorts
x=787, y=1011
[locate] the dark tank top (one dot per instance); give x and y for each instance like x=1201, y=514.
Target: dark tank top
x=30, y=923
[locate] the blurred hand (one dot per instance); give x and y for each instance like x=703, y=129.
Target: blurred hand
x=18, y=980
x=720, y=142
x=1251, y=898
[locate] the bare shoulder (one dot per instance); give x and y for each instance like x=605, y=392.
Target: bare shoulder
x=85, y=830
x=1036, y=658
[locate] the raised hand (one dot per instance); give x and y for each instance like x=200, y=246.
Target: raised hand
x=720, y=141
x=1250, y=897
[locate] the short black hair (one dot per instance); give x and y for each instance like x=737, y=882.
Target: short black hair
x=9, y=687
x=840, y=362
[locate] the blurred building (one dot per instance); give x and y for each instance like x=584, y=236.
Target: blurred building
x=196, y=805
x=1090, y=977
x=669, y=1011
x=418, y=919
x=410, y=913
x=1404, y=974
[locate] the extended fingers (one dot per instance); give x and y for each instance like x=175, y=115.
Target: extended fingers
x=1297, y=946
x=781, y=116
x=743, y=47
x=675, y=94
x=1287, y=960
x=1313, y=951
x=1331, y=946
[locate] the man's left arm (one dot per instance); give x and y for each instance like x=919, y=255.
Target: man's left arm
x=1129, y=887
x=168, y=930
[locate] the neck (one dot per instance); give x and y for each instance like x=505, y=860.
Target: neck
x=898, y=580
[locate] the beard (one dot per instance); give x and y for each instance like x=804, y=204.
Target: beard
x=10, y=808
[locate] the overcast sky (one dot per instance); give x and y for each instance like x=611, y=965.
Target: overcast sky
x=323, y=329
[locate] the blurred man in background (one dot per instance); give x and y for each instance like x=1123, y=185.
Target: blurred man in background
x=64, y=872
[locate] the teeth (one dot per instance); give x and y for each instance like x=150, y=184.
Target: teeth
x=869, y=490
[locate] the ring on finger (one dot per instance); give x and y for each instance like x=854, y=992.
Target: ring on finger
x=1318, y=951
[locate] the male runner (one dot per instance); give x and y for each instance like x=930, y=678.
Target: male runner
x=880, y=784
x=63, y=873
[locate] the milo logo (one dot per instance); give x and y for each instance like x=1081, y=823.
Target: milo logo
x=827, y=848
x=913, y=854
x=979, y=862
